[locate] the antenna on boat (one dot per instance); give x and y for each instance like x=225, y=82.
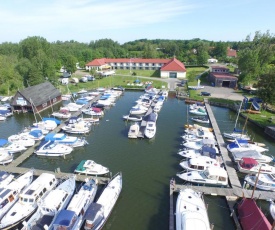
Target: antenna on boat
x=256, y=182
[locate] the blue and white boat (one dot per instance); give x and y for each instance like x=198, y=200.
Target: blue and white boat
x=62, y=138
x=99, y=212
x=72, y=217
x=52, y=149
x=11, y=147
x=244, y=145
x=53, y=202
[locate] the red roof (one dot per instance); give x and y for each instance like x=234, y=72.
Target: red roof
x=231, y=53
x=174, y=65
x=97, y=62
x=251, y=217
x=224, y=75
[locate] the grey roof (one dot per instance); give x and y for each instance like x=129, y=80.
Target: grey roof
x=41, y=93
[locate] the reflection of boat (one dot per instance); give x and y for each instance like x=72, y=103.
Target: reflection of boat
x=263, y=182
x=250, y=165
x=133, y=131
x=211, y=176
x=54, y=201
x=191, y=212
x=272, y=209
x=98, y=213
x=251, y=216
x=28, y=200
x=89, y=167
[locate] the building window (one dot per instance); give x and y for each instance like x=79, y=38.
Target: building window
x=44, y=104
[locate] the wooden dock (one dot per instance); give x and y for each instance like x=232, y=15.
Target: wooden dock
x=231, y=193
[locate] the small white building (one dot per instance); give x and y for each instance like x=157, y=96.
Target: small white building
x=212, y=60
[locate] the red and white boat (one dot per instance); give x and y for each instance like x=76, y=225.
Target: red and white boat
x=250, y=165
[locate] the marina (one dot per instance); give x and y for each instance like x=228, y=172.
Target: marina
x=157, y=158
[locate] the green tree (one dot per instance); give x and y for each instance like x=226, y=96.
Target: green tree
x=266, y=87
x=70, y=64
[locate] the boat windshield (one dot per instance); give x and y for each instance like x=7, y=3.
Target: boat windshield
x=204, y=174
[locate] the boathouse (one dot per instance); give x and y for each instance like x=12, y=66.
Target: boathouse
x=36, y=98
x=169, y=68
x=219, y=76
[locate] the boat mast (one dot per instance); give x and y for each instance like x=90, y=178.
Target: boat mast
x=33, y=110
x=256, y=182
x=246, y=119
x=238, y=115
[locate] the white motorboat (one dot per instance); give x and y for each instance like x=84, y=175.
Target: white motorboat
x=93, y=111
x=199, y=111
x=35, y=134
x=235, y=135
x=5, y=178
x=47, y=124
x=22, y=140
x=196, y=106
x=244, y=145
x=132, y=117
x=211, y=176
x=62, y=113
x=204, y=151
x=72, y=107
x=191, y=212
x=157, y=107
x=250, y=165
x=52, y=149
x=11, y=147
x=200, y=163
x=272, y=209
x=62, y=138
x=5, y=157
x=98, y=213
x=204, y=120
x=72, y=217
x=151, y=128
x=9, y=194
x=138, y=110
x=77, y=128
x=263, y=182
x=28, y=200
x=133, y=131
x=66, y=97
x=2, y=118
x=195, y=127
x=199, y=144
x=56, y=200
x=237, y=156
x=198, y=136
x=82, y=91
x=89, y=167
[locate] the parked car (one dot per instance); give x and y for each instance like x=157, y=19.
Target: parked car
x=84, y=79
x=90, y=78
x=205, y=94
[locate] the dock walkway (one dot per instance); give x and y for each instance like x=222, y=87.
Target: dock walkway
x=144, y=121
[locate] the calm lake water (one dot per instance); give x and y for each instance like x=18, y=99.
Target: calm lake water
x=146, y=165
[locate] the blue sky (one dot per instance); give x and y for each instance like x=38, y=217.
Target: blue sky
x=128, y=20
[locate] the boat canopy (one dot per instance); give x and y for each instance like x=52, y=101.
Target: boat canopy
x=152, y=117
x=248, y=162
x=207, y=150
x=64, y=218
x=58, y=122
x=55, y=136
x=36, y=133
x=92, y=211
x=3, y=142
x=247, y=153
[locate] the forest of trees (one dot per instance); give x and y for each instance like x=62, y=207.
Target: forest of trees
x=34, y=59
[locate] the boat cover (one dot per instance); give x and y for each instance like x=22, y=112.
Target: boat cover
x=206, y=150
x=58, y=122
x=152, y=117
x=92, y=211
x=3, y=142
x=36, y=133
x=64, y=218
x=54, y=136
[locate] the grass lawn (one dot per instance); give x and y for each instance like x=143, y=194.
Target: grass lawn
x=192, y=73
x=261, y=118
x=144, y=73
x=111, y=81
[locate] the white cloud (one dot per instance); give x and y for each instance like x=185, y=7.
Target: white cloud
x=27, y=17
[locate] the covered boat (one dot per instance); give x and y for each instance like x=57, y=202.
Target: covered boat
x=237, y=156
x=251, y=216
x=50, y=148
x=244, y=145
x=133, y=131
x=62, y=138
x=250, y=165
